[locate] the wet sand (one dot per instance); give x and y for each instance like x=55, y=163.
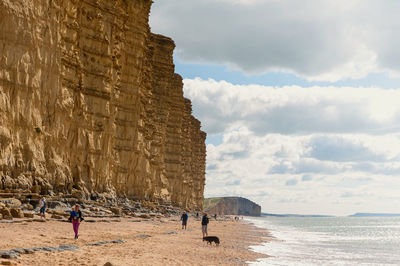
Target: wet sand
x=147, y=242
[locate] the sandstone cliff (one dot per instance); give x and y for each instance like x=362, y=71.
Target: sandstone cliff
x=231, y=206
x=90, y=103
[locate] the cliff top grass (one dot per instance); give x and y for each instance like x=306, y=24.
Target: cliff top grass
x=211, y=202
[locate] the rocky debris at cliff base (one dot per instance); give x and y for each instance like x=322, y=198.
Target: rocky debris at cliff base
x=102, y=221
x=171, y=233
x=9, y=254
x=59, y=207
x=9, y=202
x=142, y=236
x=29, y=215
x=116, y=210
x=16, y=252
x=91, y=209
x=5, y=213
x=17, y=213
x=101, y=243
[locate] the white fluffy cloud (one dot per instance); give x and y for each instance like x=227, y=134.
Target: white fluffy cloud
x=293, y=109
x=317, y=39
x=293, y=149
x=286, y=175
x=303, y=150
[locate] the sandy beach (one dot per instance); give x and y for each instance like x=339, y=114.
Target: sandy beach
x=146, y=242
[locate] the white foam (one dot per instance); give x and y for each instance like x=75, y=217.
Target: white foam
x=328, y=242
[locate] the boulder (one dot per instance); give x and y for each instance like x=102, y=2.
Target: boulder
x=55, y=204
x=36, y=189
x=29, y=215
x=116, y=210
x=64, y=247
x=16, y=213
x=11, y=202
x=144, y=215
x=71, y=201
x=127, y=212
x=26, y=206
x=78, y=194
x=88, y=213
x=56, y=216
x=5, y=212
x=61, y=213
x=9, y=254
x=94, y=196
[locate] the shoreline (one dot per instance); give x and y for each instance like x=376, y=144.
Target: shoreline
x=145, y=242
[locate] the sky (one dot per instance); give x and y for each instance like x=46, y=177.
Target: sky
x=300, y=99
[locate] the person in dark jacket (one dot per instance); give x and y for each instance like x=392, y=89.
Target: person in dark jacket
x=204, y=223
x=184, y=219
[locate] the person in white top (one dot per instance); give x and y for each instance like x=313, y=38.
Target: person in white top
x=43, y=208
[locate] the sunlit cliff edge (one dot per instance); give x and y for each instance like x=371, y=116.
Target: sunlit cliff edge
x=90, y=105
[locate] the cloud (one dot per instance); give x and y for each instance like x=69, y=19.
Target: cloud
x=291, y=182
x=324, y=149
x=270, y=173
x=347, y=195
x=292, y=109
x=341, y=149
x=319, y=40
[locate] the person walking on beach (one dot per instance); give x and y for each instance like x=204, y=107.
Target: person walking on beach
x=70, y=214
x=184, y=219
x=76, y=218
x=43, y=208
x=204, y=223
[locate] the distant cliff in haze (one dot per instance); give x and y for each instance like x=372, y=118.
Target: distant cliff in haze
x=360, y=214
x=231, y=206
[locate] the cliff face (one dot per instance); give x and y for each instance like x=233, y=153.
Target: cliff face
x=90, y=103
x=231, y=206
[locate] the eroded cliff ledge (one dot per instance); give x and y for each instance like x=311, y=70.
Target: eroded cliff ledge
x=90, y=103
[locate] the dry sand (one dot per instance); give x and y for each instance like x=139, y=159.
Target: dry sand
x=166, y=243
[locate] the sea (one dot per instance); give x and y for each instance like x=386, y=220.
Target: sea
x=329, y=240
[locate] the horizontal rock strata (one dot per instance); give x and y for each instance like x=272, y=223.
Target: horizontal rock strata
x=90, y=103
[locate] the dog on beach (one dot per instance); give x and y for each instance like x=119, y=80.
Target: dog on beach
x=211, y=239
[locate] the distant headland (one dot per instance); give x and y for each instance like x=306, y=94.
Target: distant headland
x=361, y=214
x=231, y=206
x=294, y=215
